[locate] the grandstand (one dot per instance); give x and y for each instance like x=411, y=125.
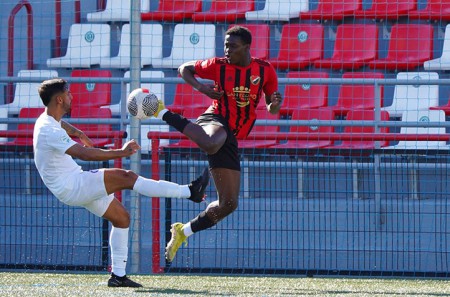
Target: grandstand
x=350, y=179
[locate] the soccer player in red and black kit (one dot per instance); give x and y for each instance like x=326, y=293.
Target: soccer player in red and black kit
x=240, y=81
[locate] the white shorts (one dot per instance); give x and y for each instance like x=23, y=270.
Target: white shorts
x=89, y=192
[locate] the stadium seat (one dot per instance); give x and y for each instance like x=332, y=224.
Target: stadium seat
x=93, y=113
x=278, y=10
x=362, y=115
x=90, y=94
x=26, y=93
x=309, y=115
x=386, y=10
x=304, y=96
x=418, y=116
x=443, y=62
x=300, y=45
x=190, y=42
x=357, y=96
x=410, y=45
x=260, y=40
x=151, y=47
x=332, y=10
x=24, y=144
x=437, y=10
x=413, y=97
x=224, y=11
x=261, y=115
x=116, y=11
x=87, y=44
x=186, y=97
x=355, y=45
x=173, y=10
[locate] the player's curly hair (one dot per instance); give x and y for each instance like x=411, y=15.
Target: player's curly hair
x=241, y=32
x=51, y=87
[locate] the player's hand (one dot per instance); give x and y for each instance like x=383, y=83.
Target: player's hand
x=130, y=147
x=276, y=99
x=86, y=141
x=211, y=91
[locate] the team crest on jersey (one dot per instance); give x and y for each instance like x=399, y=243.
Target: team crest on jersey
x=242, y=96
x=255, y=79
x=65, y=139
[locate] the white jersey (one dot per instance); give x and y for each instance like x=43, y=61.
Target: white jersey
x=50, y=143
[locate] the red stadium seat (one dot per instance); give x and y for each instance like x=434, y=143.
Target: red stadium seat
x=356, y=44
x=300, y=45
x=173, y=10
x=445, y=108
x=357, y=96
x=383, y=10
x=90, y=94
x=93, y=113
x=24, y=143
x=363, y=115
x=260, y=39
x=435, y=10
x=304, y=96
x=410, y=45
x=225, y=11
x=308, y=115
x=187, y=98
x=332, y=10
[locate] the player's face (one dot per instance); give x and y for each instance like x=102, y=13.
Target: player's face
x=67, y=101
x=235, y=50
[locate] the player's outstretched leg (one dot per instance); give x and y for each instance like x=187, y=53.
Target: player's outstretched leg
x=122, y=281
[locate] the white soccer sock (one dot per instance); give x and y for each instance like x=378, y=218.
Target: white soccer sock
x=161, y=188
x=187, y=230
x=118, y=242
x=161, y=113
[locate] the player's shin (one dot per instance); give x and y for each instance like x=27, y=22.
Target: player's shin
x=161, y=188
x=118, y=242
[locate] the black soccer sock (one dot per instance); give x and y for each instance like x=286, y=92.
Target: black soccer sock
x=175, y=120
x=201, y=222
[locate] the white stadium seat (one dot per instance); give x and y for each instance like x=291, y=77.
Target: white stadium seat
x=151, y=47
x=278, y=10
x=26, y=93
x=116, y=11
x=443, y=62
x=413, y=97
x=190, y=42
x=87, y=44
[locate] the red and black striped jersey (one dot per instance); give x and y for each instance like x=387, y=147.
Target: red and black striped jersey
x=243, y=88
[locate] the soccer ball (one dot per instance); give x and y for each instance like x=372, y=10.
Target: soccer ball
x=142, y=104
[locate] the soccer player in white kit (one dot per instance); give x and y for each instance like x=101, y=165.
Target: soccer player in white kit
x=54, y=151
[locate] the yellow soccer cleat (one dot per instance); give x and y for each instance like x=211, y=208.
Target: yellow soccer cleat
x=160, y=107
x=175, y=242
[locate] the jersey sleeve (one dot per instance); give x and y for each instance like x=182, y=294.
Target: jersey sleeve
x=59, y=140
x=271, y=84
x=206, y=68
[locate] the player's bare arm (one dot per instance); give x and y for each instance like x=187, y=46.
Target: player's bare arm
x=187, y=72
x=274, y=104
x=73, y=131
x=96, y=154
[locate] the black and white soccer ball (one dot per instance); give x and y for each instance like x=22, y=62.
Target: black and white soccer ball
x=142, y=104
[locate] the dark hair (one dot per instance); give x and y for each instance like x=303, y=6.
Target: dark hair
x=51, y=87
x=241, y=32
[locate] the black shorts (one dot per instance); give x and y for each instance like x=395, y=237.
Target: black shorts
x=227, y=156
